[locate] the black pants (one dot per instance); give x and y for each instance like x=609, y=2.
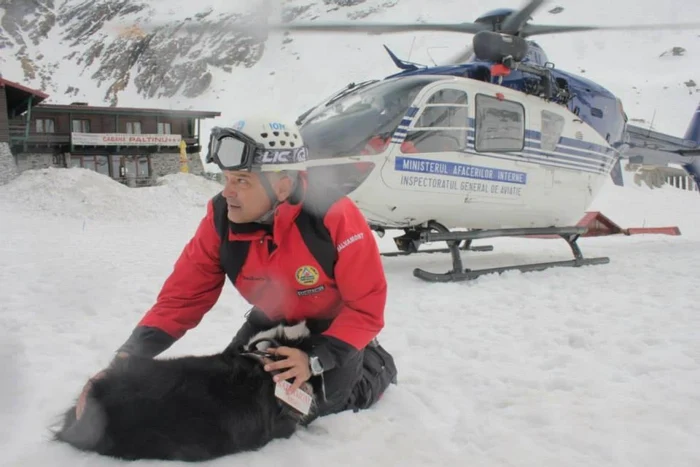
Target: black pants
x=335, y=393
x=359, y=383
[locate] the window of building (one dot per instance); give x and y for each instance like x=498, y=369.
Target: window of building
x=552, y=128
x=45, y=125
x=117, y=166
x=133, y=128
x=500, y=125
x=164, y=128
x=102, y=165
x=442, y=125
x=96, y=163
x=80, y=126
x=131, y=167
x=143, y=167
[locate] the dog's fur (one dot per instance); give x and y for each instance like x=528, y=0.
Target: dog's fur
x=190, y=408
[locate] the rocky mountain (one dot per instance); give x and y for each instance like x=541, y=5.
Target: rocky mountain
x=180, y=54
x=144, y=44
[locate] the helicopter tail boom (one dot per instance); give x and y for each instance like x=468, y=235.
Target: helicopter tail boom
x=653, y=148
x=693, y=134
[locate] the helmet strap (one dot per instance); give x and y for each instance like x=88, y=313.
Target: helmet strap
x=268, y=216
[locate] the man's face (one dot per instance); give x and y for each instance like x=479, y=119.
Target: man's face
x=246, y=196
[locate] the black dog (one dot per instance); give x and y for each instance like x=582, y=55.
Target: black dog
x=188, y=409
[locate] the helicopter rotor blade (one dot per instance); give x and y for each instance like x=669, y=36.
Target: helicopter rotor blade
x=263, y=28
x=539, y=29
x=461, y=57
x=378, y=28
x=515, y=21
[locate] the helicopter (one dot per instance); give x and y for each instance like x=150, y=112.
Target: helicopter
x=497, y=143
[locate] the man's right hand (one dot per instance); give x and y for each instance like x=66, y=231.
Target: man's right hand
x=80, y=405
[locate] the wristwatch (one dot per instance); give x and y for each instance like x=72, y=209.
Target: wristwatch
x=315, y=365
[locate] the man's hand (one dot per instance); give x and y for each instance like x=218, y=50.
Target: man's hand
x=296, y=363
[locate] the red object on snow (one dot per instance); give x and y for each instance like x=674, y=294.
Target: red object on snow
x=600, y=225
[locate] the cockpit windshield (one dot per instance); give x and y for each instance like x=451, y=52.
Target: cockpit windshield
x=342, y=127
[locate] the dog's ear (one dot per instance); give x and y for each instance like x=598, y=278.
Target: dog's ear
x=233, y=349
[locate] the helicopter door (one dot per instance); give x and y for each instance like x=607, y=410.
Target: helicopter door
x=435, y=138
x=552, y=128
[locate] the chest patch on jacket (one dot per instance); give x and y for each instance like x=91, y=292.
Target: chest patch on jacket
x=315, y=290
x=307, y=275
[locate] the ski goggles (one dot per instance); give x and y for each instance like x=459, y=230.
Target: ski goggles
x=232, y=150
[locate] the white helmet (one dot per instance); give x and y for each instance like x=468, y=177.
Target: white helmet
x=258, y=144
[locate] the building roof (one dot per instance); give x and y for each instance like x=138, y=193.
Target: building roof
x=87, y=109
x=17, y=94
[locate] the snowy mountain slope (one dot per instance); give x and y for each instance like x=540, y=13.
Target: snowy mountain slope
x=577, y=367
x=73, y=49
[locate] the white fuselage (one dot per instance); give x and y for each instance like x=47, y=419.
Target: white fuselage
x=552, y=168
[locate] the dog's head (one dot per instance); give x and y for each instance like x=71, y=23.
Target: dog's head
x=282, y=335
x=296, y=336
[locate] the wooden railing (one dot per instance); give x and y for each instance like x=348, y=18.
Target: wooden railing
x=682, y=182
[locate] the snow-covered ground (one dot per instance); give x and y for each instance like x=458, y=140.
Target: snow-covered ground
x=598, y=366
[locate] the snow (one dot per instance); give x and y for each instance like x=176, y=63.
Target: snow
x=86, y=194
x=596, y=366
x=578, y=367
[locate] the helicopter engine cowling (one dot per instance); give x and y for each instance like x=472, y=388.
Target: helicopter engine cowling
x=494, y=46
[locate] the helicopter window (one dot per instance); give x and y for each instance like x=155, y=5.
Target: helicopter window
x=449, y=96
x=552, y=128
x=500, y=125
x=443, y=124
x=347, y=125
x=443, y=116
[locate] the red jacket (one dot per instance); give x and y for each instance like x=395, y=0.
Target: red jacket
x=285, y=284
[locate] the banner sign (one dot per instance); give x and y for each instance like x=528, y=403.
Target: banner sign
x=124, y=139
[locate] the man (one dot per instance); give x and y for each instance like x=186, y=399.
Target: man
x=296, y=251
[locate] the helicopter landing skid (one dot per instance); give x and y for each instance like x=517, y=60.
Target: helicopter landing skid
x=458, y=273
x=466, y=246
x=410, y=242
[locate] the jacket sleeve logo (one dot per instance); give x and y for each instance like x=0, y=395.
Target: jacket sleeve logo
x=307, y=275
x=349, y=241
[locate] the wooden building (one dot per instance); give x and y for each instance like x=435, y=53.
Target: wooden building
x=15, y=100
x=132, y=145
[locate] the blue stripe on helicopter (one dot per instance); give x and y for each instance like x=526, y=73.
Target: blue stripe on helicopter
x=596, y=163
x=453, y=169
x=540, y=161
x=569, y=152
x=533, y=141
x=551, y=159
x=561, y=153
x=412, y=111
